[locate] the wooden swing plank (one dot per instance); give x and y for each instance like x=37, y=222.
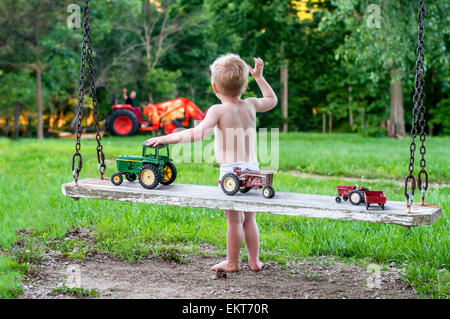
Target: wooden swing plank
x=292, y=204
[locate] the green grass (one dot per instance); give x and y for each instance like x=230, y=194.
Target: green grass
x=31, y=174
x=76, y=292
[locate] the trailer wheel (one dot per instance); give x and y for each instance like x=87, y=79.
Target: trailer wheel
x=123, y=123
x=230, y=184
x=355, y=197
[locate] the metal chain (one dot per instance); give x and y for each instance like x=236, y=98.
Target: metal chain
x=418, y=110
x=86, y=52
x=98, y=137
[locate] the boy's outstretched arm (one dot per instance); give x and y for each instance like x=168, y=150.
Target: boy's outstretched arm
x=269, y=99
x=191, y=135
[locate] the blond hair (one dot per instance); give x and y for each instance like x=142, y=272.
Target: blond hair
x=230, y=74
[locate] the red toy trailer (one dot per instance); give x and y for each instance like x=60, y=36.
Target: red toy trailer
x=352, y=193
x=374, y=197
x=245, y=180
x=126, y=120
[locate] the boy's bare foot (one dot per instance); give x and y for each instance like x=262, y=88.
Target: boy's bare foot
x=256, y=266
x=225, y=265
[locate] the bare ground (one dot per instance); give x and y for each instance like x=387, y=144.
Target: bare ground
x=155, y=278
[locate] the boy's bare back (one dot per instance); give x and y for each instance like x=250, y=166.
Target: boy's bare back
x=234, y=120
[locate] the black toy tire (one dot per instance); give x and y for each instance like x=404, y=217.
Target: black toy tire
x=172, y=178
x=244, y=190
x=338, y=199
x=351, y=197
x=382, y=206
x=231, y=181
x=268, y=192
x=131, y=177
x=345, y=198
x=127, y=113
x=367, y=206
x=117, y=179
x=156, y=176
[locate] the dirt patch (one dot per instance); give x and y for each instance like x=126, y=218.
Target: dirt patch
x=155, y=278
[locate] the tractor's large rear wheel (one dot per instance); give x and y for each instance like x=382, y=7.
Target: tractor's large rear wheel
x=149, y=176
x=230, y=184
x=356, y=197
x=123, y=123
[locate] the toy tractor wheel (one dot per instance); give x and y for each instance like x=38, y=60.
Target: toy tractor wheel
x=367, y=206
x=149, y=176
x=244, y=190
x=117, y=179
x=345, y=198
x=230, y=184
x=131, y=177
x=338, y=199
x=355, y=197
x=169, y=174
x=123, y=123
x=268, y=192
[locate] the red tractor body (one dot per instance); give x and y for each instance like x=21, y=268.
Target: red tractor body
x=126, y=120
x=245, y=180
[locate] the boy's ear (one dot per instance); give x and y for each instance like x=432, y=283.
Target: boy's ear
x=215, y=88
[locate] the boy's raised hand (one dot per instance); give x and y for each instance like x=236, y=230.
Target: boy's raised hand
x=257, y=71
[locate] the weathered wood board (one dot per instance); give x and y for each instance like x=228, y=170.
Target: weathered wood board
x=305, y=205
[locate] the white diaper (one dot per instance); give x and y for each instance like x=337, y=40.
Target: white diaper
x=228, y=168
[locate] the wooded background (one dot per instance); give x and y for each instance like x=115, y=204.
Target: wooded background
x=333, y=64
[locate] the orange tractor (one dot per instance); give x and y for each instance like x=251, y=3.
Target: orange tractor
x=169, y=116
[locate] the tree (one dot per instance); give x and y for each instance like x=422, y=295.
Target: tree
x=382, y=43
x=23, y=49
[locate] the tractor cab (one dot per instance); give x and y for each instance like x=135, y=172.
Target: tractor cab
x=155, y=151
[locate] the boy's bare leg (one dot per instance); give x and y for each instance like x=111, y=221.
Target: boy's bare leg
x=251, y=235
x=235, y=221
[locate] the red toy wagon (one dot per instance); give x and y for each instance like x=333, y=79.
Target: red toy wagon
x=374, y=197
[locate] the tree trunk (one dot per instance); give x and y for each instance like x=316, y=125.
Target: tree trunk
x=330, y=122
x=284, y=94
x=40, y=123
x=17, y=111
x=362, y=114
x=324, y=123
x=6, y=127
x=397, y=118
x=350, y=110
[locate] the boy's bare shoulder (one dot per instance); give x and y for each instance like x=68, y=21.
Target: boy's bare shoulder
x=253, y=101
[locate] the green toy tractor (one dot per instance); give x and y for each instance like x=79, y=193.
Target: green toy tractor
x=151, y=168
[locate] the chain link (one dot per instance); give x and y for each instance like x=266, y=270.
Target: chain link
x=87, y=54
x=418, y=117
